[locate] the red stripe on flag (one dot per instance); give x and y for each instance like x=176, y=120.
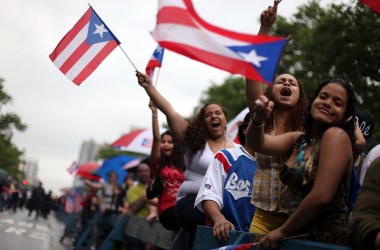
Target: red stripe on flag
x=74, y=57
x=232, y=65
x=126, y=140
x=227, y=33
x=104, y=52
x=175, y=15
x=71, y=35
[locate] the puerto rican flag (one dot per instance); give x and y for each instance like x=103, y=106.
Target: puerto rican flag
x=73, y=168
x=373, y=4
x=155, y=61
x=245, y=246
x=180, y=29
x=84, y=47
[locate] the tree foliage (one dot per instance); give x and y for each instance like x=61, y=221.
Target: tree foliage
x=231, y=94
x=9, y=153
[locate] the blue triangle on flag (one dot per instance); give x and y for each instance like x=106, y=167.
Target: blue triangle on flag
x=267, y=54
x=158, y=53
x=98, y=31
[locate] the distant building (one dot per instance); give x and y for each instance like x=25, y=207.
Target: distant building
x=30, y=168
x=88, y=152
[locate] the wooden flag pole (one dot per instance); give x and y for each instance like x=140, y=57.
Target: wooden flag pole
x=127, y=57
x=158, y=73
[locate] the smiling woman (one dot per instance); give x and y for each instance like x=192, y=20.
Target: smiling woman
x=318, y=163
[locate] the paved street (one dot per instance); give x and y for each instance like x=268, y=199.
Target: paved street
x=18, y=231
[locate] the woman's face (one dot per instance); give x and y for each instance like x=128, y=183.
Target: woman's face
x=329, y=107
x=215, y=120
x=112, y=177
x=167, y=145
x=286, y=91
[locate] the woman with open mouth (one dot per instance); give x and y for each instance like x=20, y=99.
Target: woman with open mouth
x=318, y=163
x=269, y=194
x=201, y=138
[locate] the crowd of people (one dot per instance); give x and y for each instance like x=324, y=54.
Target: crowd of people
x=14, y=196
x=300, y=168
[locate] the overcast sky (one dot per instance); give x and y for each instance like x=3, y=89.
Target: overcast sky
x=61, y=115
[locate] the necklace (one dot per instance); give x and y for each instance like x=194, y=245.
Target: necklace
x=303, y=144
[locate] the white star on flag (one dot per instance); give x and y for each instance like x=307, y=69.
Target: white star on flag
x=100, y=30
x=253, y=58
x=159, y=49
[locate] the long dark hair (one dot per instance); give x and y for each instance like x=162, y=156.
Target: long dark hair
x=196, y=133
x=243, y=126
x=348, y=124
x=176, y=159
x=296, y=119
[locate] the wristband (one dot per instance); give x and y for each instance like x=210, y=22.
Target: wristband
x=257, y=125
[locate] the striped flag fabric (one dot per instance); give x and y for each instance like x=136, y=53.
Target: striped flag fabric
x=155, y=61
x=73, y=168
x=180, y=29
x=373, y=4
x=84, y=47
x=245, y=246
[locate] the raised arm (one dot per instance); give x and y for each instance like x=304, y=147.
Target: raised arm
x=267, y=144
x=176, y=123
x=254, y=88
x=93, y=184
x=155, y=153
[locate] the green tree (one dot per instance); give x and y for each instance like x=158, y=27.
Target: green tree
x=338, y=41
x=9, y=153
x=231, y=94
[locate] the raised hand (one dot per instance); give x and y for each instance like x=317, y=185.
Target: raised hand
x=268, y=17
x=143, y=79
x=152, y=107
x=262, y=108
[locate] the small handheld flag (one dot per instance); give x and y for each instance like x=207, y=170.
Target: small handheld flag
x=73, y=168
x=84, y=47
x=154, y=61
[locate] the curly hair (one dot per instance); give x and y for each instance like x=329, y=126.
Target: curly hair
x=243, y=126
x=347, y=124
x=176, y=159
x=296, y=119
x=196, y=133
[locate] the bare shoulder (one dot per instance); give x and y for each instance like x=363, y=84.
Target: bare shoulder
x=335, y=134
